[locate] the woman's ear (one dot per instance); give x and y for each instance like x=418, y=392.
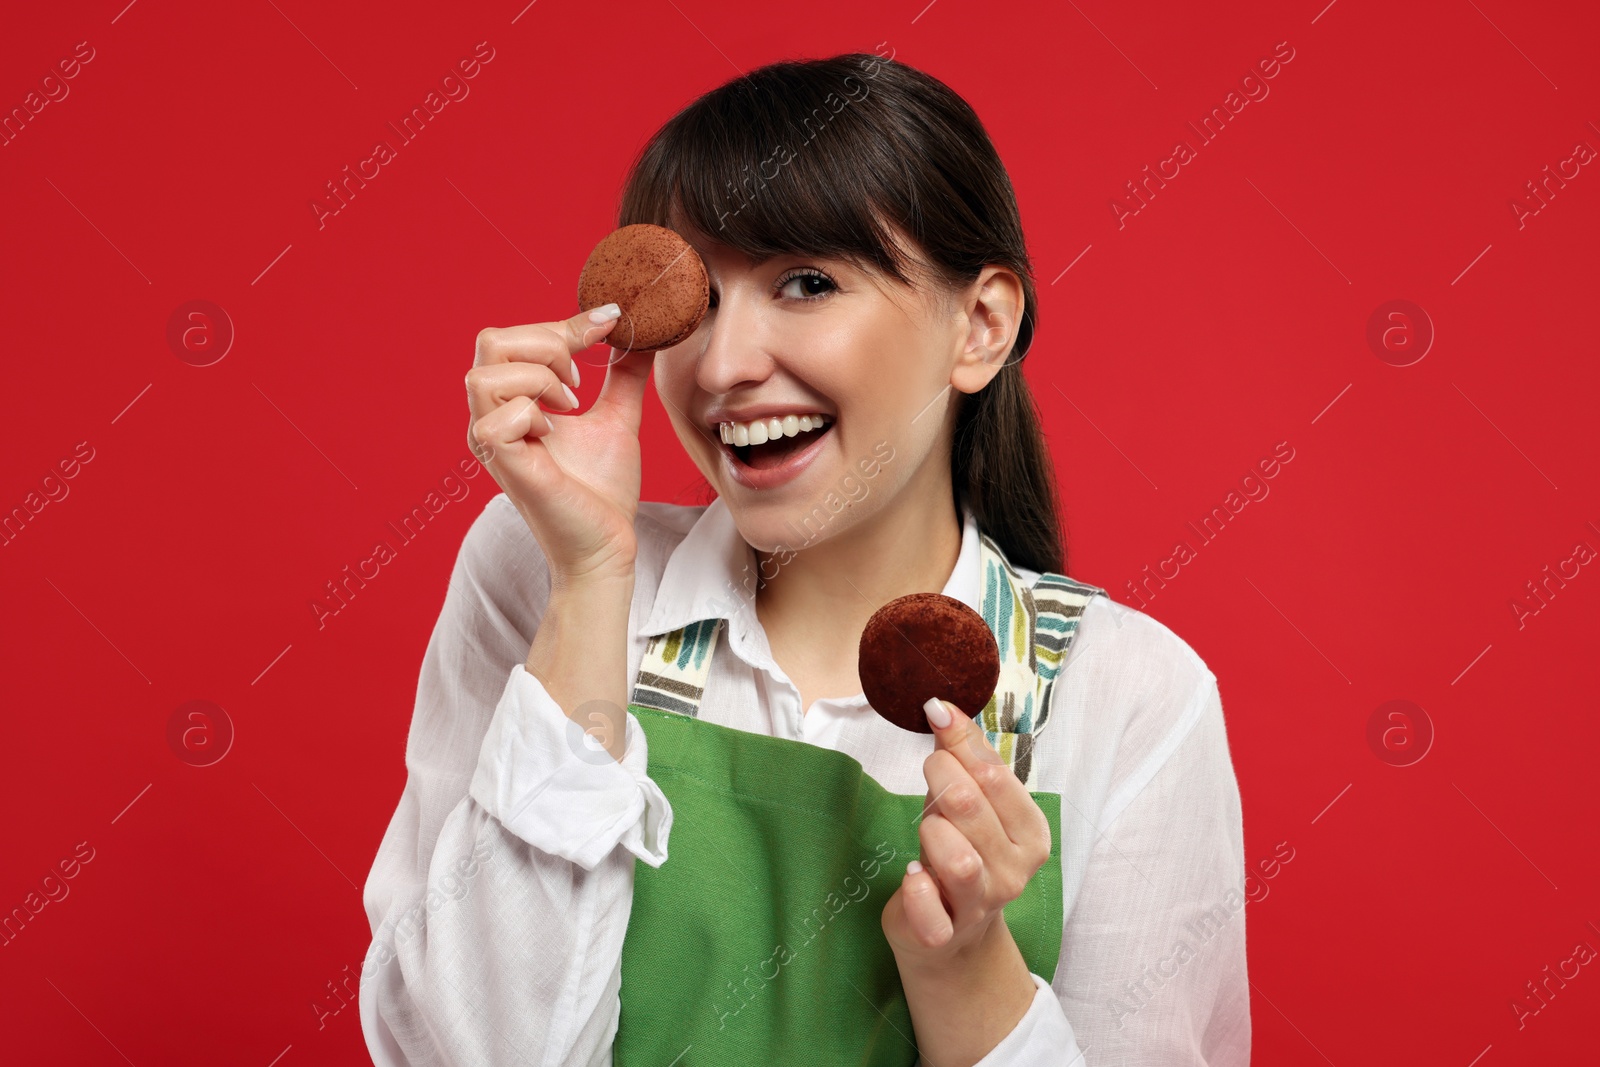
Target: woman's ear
x=992, y=310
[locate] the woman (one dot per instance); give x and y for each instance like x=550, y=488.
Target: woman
x=1055, y=878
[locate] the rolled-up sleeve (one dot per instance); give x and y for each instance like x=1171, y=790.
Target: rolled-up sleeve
x=553, y=787
x=498, y=899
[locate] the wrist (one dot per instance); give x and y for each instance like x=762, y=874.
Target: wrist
x=964, y=1004
x=592, y=584
x=579, y=653
x=993, y=945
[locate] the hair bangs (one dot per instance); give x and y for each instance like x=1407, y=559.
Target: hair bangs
x=753, y=165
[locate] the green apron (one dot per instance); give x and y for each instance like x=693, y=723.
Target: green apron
x=759, y=942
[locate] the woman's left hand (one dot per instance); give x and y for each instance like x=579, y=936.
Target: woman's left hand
x=983, y=838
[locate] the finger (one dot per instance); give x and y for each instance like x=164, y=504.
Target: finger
x=925, y=912
x=966, y=740
x=507, y=442
x=958, y=798
x=506, y=429
x=491, y=386
x=622, y=393
x=587, y=328
x=960, y=733
x=957, y=866
x=552, y=343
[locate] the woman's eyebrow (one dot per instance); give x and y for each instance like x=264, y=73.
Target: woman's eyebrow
x=757, y=263
x=815, y=257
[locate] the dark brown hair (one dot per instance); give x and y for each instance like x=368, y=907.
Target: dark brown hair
x=807, y=157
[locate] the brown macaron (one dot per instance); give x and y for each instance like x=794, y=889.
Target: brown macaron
x=658, y=280
x=926, y=645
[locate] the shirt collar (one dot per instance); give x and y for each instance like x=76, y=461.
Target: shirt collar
x=712, y=573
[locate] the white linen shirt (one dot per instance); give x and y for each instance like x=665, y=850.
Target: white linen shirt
x=500, y=895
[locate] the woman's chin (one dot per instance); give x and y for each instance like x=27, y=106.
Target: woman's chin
x=768, y=528
x=781, y=529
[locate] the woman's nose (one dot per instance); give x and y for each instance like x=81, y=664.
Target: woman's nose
x=733, y=352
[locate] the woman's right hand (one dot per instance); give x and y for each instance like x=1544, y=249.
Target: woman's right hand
x=574, y=479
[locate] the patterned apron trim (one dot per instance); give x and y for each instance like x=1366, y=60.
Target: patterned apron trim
x=672, y=676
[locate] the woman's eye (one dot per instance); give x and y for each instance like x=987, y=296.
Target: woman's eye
x=806, y=285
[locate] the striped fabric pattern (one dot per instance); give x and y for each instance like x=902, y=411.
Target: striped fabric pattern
x=673, y=675
x=1033, y=627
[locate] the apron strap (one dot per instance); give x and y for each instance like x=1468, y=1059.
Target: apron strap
x=672, y=676
x=1033, y=627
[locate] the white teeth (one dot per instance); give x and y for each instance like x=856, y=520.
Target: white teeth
x=760, y=431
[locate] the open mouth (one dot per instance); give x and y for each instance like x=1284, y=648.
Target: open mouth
x=776, y=454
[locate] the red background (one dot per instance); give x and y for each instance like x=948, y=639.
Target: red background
x=1228, y=315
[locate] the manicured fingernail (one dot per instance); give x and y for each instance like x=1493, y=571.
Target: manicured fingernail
x=913, y=867
x=570, y=394
x=577, y=378
x=605, y=314
x=938, y=714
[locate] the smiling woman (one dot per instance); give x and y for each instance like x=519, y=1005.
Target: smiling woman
x=869, y=255
x=604, y=679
